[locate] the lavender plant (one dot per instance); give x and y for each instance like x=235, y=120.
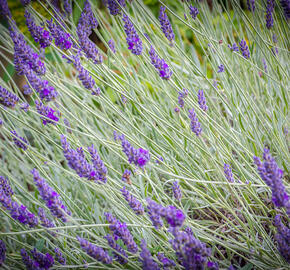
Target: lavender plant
x=131, y=174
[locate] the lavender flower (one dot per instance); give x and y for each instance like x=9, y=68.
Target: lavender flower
x=228, y=173
x=67, y=7
x=166, y=25
x=176, y=191
x=114, y=7
x=181, y=96
x=28, y=261
x=154, y=210
x=95, y=252
x=244, y=49
x=27, y=90
x=111, y=44
x=4, y=9
x=126, y=176
x=47, y=112
x=51, y=197
x=174, y=217
x=38, y=33
x=2, y=252
x=5, y=186
x=1, y=122
x=202, y=100
x=176, y=109
x=136, y=206
x=44, y=220
x=98, y=164
x=67, y=123
x=212, y=266
x=251, y=5
x=25, y=2
x=234, y=47
x=167, y=263
x=24, y=56
x=76, y=160
x=20, y=142
x=59, y=256
x=160, y=64
x=265, y=65
x=24, y=106
x=221, y=68
x=7, y=98
x=45, y=261
x=272, y=176
x=285, y=4
x=61, y=38
x=147, y=261
x=121, y=231
x=120, y=251
x=269, y=11
x=194, y=124
x=193, y=11
x=133, y=40
x=140, y=157
x=283, y=238
x=190, y=251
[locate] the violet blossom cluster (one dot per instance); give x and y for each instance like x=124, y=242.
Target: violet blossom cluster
x=181, y=96
x=59, y=256
x=234, y=47
x=7, y=98
x=140, y=157
x=51, y=197
x=135, y=205
x=193, y=11
x=121, y=231
x=40, y=261
x=5, y=186
x=166, y=25
x=272, y=176
x=38, y=33
x=160, y=64
x=228, y=173
x=282, y=238
x=47, y=112
x=114, y=7
x=85, y=25
x=244, y=49
x=221, y=68
x=112, y=46
x=94, y=251
x=4, y=9
x=19, y=141
x=166, y=262
x=269, y=15
x=2, y=252
x=45, y=222
x=133, y=40
x=285, y=4
x=194, y=123
x=202, y=100
x=176, y=191
x=146, y=258
x=112, y=243
x=126, y=176
x=251, y=5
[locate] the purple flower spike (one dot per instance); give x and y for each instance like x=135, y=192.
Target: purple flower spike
x=59, y=256
x=24, y=56
x=244, y=49
x=176, y=191
x=121, y=259
x=193, y=11
x=272, y=176
x=133, y=40
x=4, y=9
x=190, y=251
x=167, y=263
x=77, y=161
x=140, y=157
x=202, y=100
x=265, y=65
x=5, y=186
x=283, y=238
x=28, y=261
x=95, y=252
x=20, y=142
x=228, y=173
x=25, y=2
x=61, y=38
x=234, y=47
x=251, y=5
x=269, y=11
x=166, y=25
x=126, y=176
x=147, y=261
x=212, y=266
x=194, y=124
x=51, y=197
x=174, y=217
x=45, y=261
x=160, y=64
x=24, y=106
x=285, y=4
x=47, y=112
x=7, y=98
x=181, y=96
x=38, y=33
x=111, y=44
x=154, y=210
x=2, y=252
x=114, y=7
x=121, y=231
x=44, y=220
x=98, y=164
x=136, y=206
x=221, y=68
